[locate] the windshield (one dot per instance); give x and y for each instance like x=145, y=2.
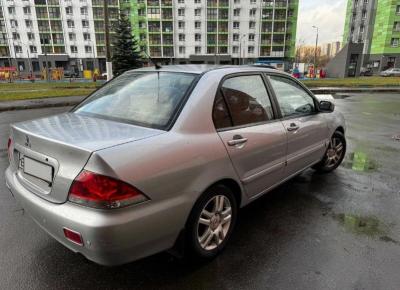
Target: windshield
x=148, y=99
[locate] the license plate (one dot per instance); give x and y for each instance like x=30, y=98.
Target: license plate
x=37, y=169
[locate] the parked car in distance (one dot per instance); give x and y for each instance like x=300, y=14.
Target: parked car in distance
x=366, y=72
x=70, y=74
x=161, y=159
x=391, y=72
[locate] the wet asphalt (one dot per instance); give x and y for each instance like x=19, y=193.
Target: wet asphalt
x=333, y=231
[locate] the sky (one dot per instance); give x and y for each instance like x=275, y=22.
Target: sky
x=328, y=15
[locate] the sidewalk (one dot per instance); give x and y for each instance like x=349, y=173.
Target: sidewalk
x=72, y=101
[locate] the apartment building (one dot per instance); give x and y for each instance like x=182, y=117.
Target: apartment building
x=371, y=38
x=70, y=33
x=330, y=49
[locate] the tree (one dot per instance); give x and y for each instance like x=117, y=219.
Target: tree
x=126, y=55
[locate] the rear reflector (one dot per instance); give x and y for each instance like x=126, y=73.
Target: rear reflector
x=9, y=143
x=73, y=236
x=99, y=191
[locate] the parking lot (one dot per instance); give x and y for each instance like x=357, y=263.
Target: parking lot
x=333, y=231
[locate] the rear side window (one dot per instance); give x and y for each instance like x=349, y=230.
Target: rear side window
x=247, y=100
x=293, y=100
x=149, y=99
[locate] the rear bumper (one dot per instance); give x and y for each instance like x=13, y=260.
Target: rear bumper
x=110, y=237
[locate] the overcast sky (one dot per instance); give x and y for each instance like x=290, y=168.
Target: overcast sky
x=328, y=15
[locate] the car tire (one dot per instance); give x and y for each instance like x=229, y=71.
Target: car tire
x=211, y=222
x=334, y=155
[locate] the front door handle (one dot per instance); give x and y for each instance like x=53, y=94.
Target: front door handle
x=293, y=127
x=237, y=140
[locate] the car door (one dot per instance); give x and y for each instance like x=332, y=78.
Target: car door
x=307, y=131
x=254, y=139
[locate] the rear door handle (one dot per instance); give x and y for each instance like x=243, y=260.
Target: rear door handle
x=237, y=140
x=293, y=127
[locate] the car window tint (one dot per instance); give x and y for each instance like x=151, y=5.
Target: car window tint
x=220, y=113
x=292, y=98
x=247, y=100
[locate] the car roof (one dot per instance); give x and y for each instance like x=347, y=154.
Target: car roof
x=203, y=68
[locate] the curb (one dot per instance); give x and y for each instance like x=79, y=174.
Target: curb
x=40, y=103
x=325, y=91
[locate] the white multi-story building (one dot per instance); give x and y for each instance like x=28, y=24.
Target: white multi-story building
x=70, y=33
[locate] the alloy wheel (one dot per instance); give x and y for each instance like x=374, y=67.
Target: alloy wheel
x=334, y=153
x=214, y=222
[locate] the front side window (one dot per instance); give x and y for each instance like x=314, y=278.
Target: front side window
x=293, y=100
x=247, y=100
x=145, y=99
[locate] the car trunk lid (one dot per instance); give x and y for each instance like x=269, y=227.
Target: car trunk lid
x=49, y=153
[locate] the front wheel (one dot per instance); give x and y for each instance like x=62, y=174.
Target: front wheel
x=211, y=222
x=334, y=154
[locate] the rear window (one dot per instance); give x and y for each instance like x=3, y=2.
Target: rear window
x=149, y=99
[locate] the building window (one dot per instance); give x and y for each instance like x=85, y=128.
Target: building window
x=74, y=49
x=86, y=36
x=364, y=14
x=197, y=37
x=236, y=37
x=27, y=10
x=88, y=49
x=18, y=49
x=197, y=49
x=181, y=37
x=252, y=12
x=250, y=49
x=236, y=25
x=197, y=24
x=84, y=10
x=16, y=36
x=235, y=49
x=398, y=9
x=181, y=25
x=31, y=36
x=181, y=1
x=68, y=10
x=236, y=1
x=182, y=50
x=395, y=42
x=253, y=1
x=72, y=36
x=197, y=12
x=11, y=10
x=251, y=37
x=14, y=23
x=85, y=24
x=252, y=25
x=197, y=1
x=70, y=24
x=181, y=12
x=33, y=49
x=236, y=12
x=28, y=23
x=396, y=26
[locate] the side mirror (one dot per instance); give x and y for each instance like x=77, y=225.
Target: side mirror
x=326, y=106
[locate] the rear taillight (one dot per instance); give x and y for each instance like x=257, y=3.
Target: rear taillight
x=9, y=143
x=99, y=191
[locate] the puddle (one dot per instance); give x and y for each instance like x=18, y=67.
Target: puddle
x=340, y=97
x=369, y=226
x=360, y=161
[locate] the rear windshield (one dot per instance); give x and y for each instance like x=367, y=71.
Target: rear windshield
x=149, y=99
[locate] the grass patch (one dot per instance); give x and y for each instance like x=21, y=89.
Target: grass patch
x=354, y=82
x=21, y=91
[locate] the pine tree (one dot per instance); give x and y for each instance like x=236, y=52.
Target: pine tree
x=126, y=54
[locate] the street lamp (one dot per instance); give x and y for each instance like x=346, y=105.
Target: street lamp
x=315, y=53
x=240, y=49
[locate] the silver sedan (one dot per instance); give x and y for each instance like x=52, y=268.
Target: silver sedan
x=161, y=159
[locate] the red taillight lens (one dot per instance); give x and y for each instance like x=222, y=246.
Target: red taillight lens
x=9, y=143
x=99, y=191
x=73, y=236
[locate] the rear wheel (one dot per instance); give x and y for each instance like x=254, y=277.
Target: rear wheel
x=334, y=154
x=211, y=222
